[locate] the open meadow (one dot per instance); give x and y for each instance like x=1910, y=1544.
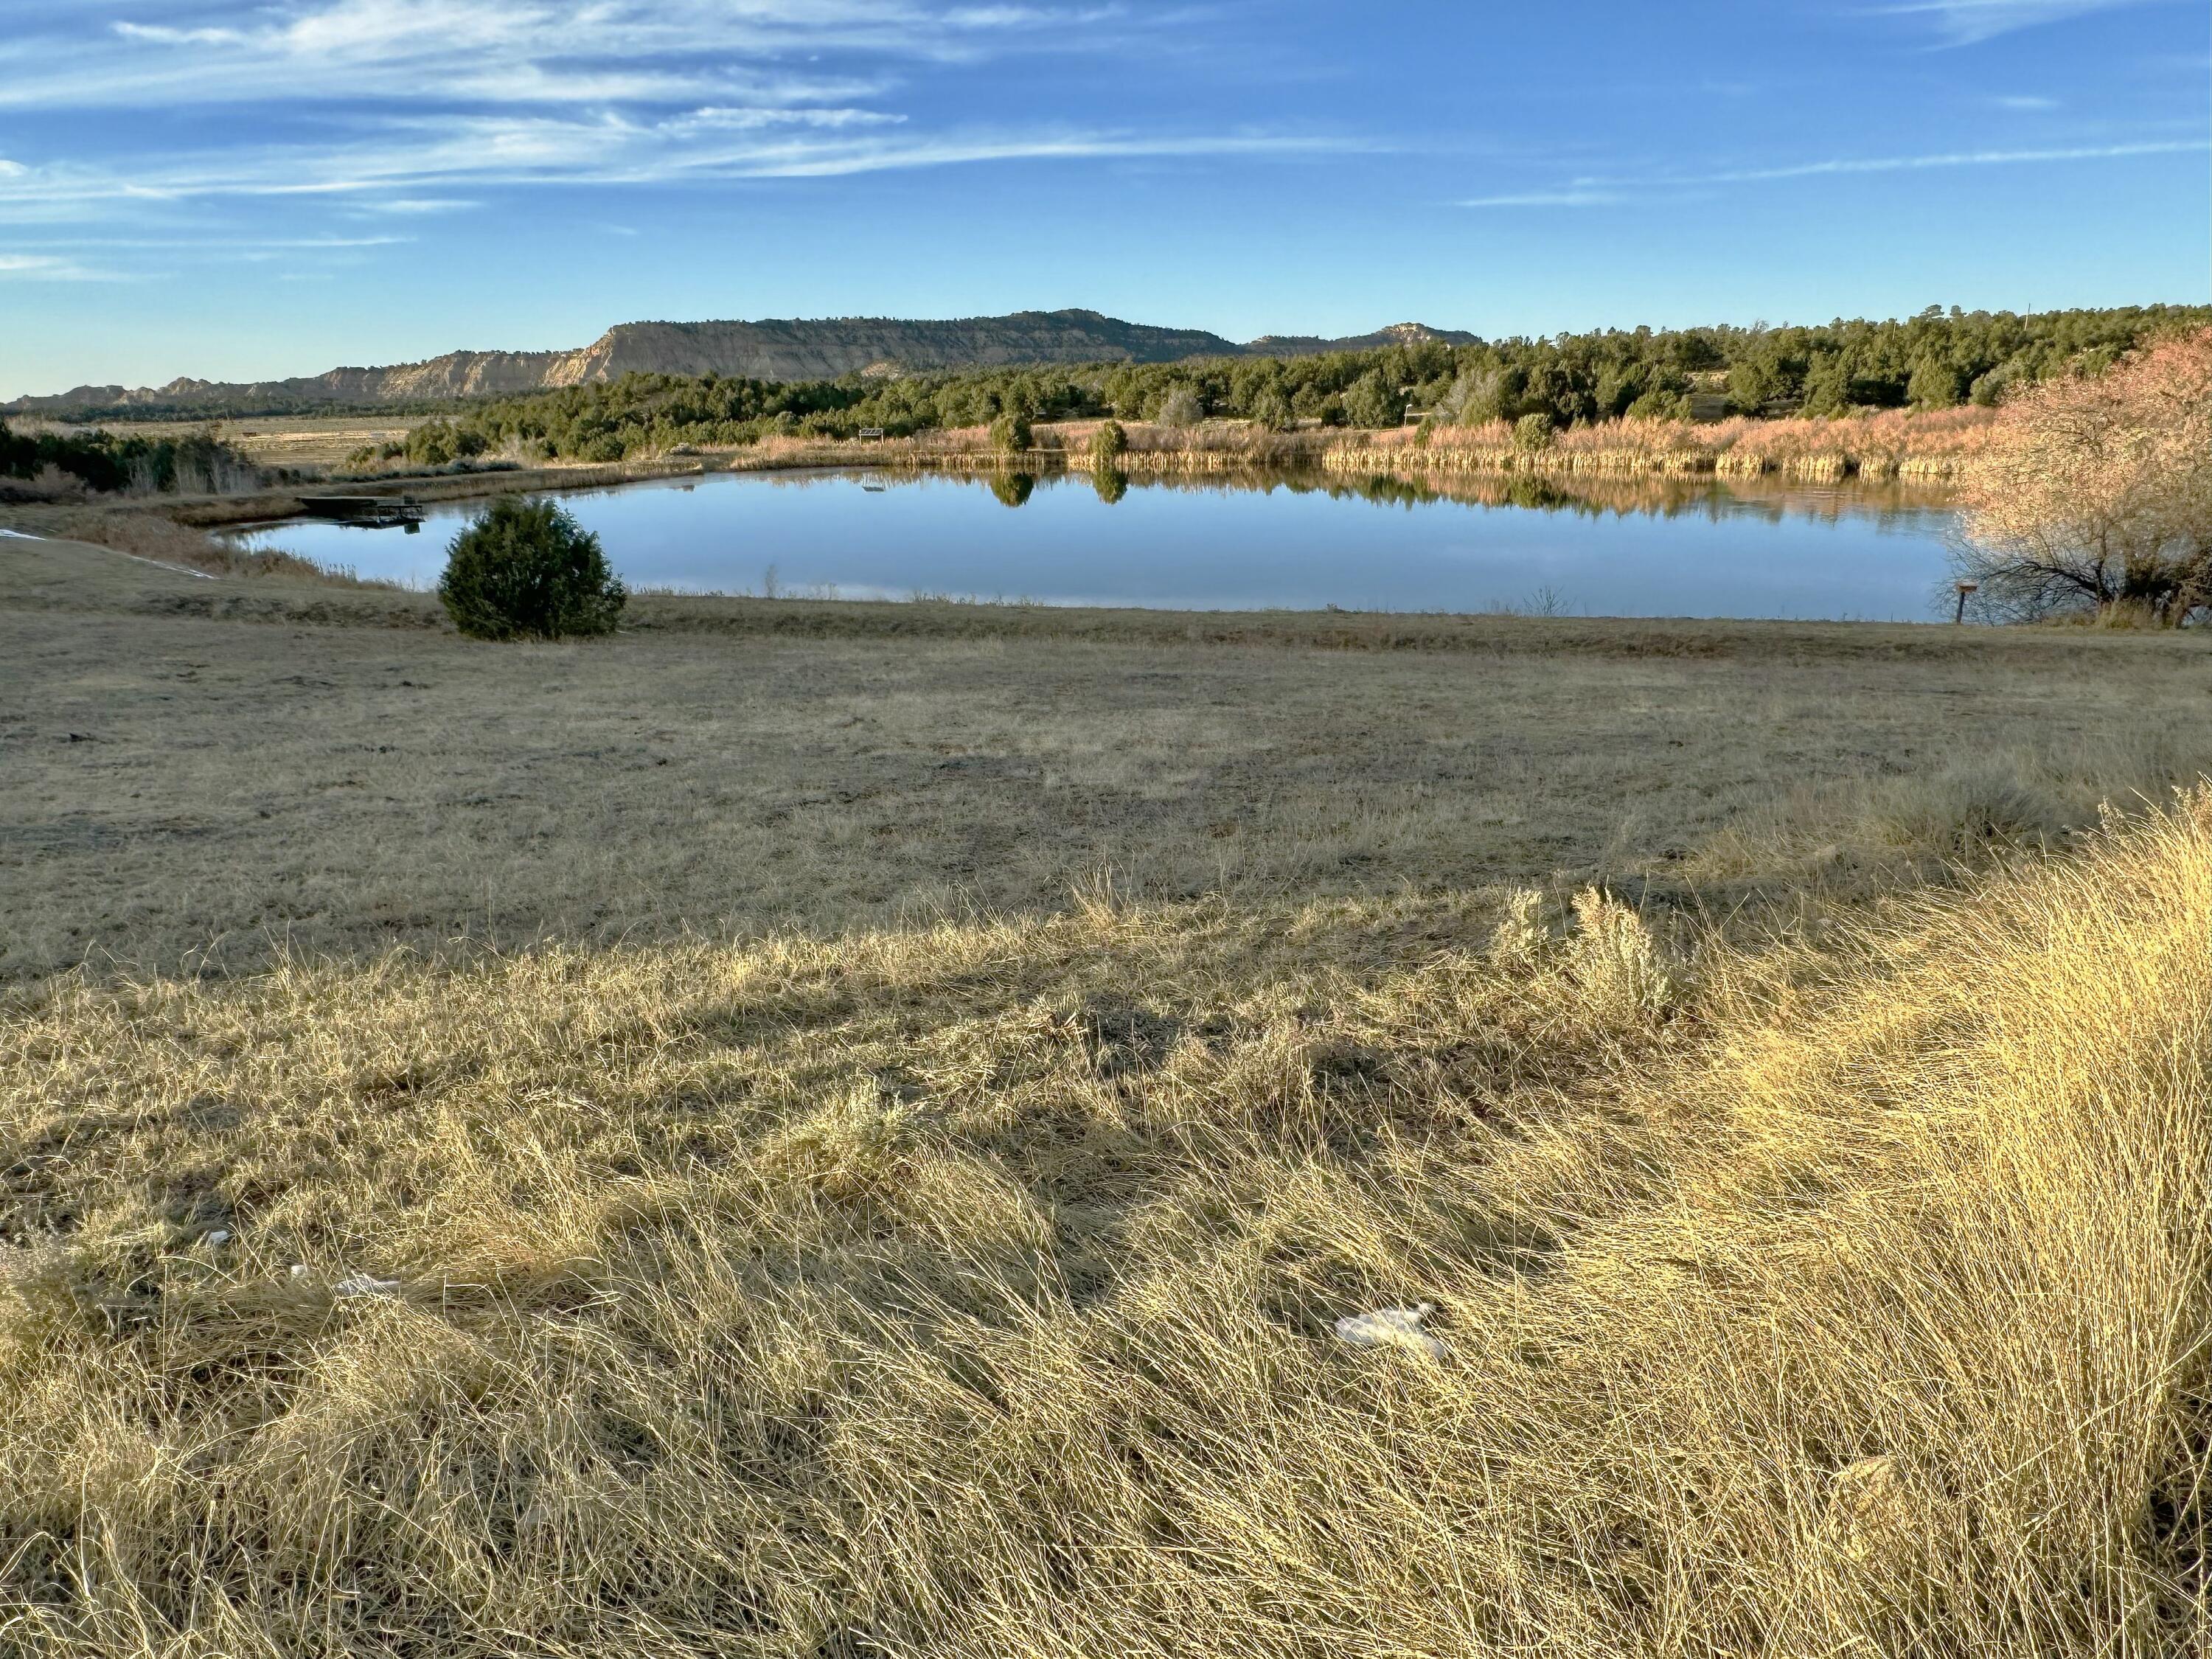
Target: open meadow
x=341, y=773
x=1451, y=938
x=294, y=441
x=810, y=1129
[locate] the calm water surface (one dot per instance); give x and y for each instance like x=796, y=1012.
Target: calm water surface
x=1706, y=550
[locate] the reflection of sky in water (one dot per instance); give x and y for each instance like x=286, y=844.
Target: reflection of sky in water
x=1839, y=552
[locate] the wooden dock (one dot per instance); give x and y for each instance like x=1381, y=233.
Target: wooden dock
x=370, y=511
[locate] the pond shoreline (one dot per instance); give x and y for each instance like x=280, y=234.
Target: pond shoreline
x=1203, y=457
x=236, y=535
x=1303, y=540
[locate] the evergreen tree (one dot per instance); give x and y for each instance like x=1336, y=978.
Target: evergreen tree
x=528, y=570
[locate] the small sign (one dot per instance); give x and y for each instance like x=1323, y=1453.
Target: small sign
x=871, y=432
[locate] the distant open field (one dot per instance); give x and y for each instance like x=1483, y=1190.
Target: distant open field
x=806, y=1131
x=287, y=440
x=337, y=770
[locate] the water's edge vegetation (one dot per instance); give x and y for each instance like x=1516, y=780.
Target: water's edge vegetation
x=1658, y=379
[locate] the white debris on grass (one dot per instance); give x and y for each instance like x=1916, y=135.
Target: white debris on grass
x=355, y=1285
x=1392, y=1328
x=362, y=1285
x=217, y=1236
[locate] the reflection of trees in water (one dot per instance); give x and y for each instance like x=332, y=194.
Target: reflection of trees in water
x=1709, y=498
x=1890, y=503
x=1513, y=489
x=1645, y=496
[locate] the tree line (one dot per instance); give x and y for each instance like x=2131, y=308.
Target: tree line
x=1935, y=360
x=193, y=462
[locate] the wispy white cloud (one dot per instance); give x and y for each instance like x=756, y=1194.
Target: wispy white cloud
x=420, y=204
x=715, y=118
x=1618, y=191
x=515, y=51
x=2025, y=103
x=1963, y=158
x=408, y=153
x=417, y=107
x=1547, y=198
x=1969, y=22
x=162, y=34
x=242, y=243
x=48, y=268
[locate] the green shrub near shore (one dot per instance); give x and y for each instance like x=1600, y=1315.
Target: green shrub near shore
x=528, y=570
x=1109, y=442
x=1012, y=433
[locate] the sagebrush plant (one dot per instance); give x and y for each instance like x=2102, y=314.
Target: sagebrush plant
x=970, y=1289
x=1523, y=939
x=526, y=570
x=1618, y=965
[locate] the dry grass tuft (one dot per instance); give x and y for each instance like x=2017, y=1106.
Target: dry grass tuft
x=1877, y=833
x=970, y=1289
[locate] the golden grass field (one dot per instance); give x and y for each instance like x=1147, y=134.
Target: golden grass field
x=833, y=1130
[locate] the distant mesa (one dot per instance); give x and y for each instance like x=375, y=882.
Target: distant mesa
x=774, y=349
x=1305, y=345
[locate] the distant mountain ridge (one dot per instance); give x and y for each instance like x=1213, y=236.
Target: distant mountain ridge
x=774, y=349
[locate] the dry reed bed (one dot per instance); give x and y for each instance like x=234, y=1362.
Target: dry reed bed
x=967, y=1291
x=1931, y=447
x=1217, y=448
x=1914, y=447
x=1922, y=447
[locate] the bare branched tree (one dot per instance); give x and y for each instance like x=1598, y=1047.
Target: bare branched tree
x=2095, y=494
x=1181, y=408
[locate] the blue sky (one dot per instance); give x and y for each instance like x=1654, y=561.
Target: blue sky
x=236, y=189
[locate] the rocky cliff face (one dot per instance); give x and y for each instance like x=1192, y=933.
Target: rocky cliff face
x=771, y=351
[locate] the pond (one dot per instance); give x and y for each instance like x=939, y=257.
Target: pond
x=1638, y=549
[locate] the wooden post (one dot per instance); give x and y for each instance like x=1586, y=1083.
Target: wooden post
x=1964, y=588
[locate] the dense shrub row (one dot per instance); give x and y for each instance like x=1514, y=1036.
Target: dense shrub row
x=197, y=463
